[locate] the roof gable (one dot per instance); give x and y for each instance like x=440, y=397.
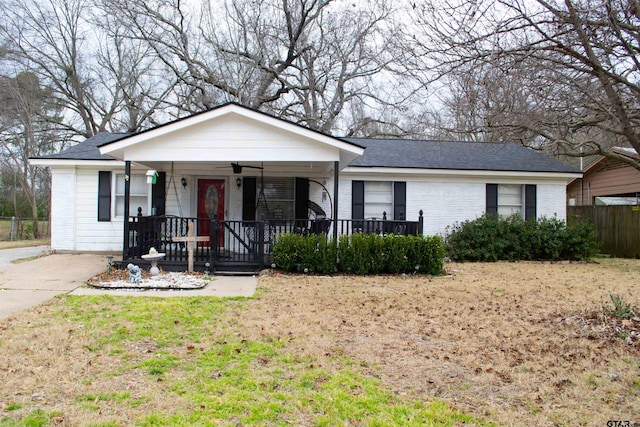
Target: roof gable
x=603, y=162
x=231, y=133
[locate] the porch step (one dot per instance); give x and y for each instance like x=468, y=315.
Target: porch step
x=235, y=273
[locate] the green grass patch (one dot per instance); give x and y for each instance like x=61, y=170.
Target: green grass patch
x=103, y=397
x=37, y=418
x=92, y=401
x=194, y=349
x=164, y=321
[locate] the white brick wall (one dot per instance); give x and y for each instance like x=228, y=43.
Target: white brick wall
x=445, y=201
x=552, y=200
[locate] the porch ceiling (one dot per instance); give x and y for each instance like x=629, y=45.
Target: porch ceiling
x=225, y=168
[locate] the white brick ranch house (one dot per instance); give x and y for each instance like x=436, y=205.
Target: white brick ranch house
x=241, y=177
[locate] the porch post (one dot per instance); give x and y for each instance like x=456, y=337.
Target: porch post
x=127, y=193
x=261, y=225
x=213, y=243
x=336, y=174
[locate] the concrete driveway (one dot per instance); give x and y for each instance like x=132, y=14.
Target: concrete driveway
x=29, y=283
x=8, y=255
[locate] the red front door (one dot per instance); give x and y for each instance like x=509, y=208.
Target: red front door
x=210, y=203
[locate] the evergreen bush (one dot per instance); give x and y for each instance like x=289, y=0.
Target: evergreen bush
x=492, y=238
x=359, y=254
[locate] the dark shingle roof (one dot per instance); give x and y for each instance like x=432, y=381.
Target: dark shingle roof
x=87, y=149
x=402, y=153
x=396, y=153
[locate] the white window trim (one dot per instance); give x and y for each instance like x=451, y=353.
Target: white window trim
x=388, y=211
x=115, y=195
x=521, y=206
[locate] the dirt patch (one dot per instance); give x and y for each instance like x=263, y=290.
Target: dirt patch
x=520, y=343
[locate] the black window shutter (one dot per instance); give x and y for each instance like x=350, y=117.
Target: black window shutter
x=302, y=198
x=492, y=198
x=399, y=201
x=158, y=193
x=249, y=198
x=104, y=196
x=357, y=199
x=530, y=201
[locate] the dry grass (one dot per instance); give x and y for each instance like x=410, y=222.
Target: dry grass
x=498, y=340
x=23, y=243
x=514, y=343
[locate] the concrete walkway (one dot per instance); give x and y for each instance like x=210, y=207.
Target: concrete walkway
x=29, y=283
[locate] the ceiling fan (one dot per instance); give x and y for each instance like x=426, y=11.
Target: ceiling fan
x=237, y=167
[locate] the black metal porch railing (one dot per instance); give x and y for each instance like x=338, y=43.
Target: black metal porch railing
x=238, y=244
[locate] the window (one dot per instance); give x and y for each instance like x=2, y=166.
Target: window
x=138, y=197
x=372, y=199
x=278, y=201
x=104, y=196
x=378, y=199
x=284, y=198
x=510, y=199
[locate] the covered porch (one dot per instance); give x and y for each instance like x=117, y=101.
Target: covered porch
x=237, y=177
x=234, y=210
x=236, y=245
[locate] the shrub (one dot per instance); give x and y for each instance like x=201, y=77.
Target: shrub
x=295, y=252
x=359, y=254
x=26, y=231
x=580, y=241
x=491, y=238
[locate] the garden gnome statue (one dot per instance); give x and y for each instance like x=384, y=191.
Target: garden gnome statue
x=135, y=276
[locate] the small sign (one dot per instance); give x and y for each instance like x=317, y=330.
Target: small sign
x=635, y=208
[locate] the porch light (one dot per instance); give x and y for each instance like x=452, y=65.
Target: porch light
x=152, y=175
x=183, y=180
x=239, y=182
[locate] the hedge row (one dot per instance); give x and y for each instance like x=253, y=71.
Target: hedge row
x=491, y=238
x=359, y=254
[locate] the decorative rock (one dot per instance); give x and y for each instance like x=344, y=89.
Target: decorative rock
x=166, y=281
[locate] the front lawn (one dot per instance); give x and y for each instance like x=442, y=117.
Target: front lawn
x=504, y=343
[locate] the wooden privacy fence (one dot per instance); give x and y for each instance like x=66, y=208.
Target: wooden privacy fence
x=618, y=227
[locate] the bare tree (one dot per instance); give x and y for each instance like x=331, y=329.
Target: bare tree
x=103, y=81
x=134, y=84
x=26, y=111
x=575, y=61
x=301, y=59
